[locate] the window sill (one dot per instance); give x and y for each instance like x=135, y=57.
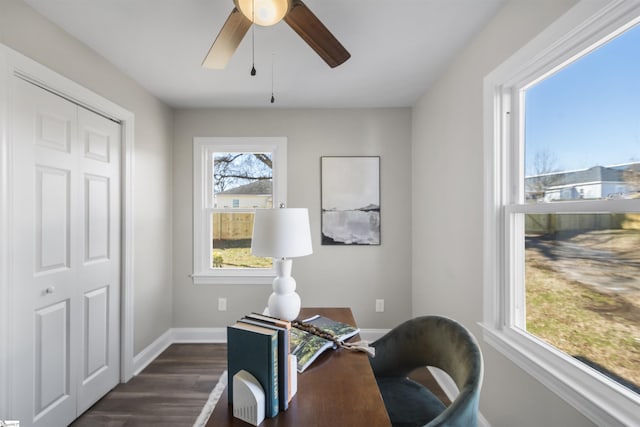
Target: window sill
x=600, y=399
x=203, y=279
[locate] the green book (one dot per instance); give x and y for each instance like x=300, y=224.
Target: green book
x=255, y=349
x=283, y=355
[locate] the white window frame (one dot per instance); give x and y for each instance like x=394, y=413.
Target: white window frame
x=203, y=149
x=586, y=25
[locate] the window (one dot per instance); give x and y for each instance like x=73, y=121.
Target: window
x=232, y=177
x=562, y=221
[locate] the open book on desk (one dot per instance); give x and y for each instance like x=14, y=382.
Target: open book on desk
x=307, y=346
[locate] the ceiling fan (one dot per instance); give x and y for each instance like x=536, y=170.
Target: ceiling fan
x=270, y=12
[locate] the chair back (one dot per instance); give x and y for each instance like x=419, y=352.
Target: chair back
x=443, y=343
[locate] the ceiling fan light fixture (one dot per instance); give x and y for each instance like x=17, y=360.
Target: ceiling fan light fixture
x=267, y=12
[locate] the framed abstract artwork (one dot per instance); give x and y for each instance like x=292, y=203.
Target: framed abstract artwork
x=350, y=191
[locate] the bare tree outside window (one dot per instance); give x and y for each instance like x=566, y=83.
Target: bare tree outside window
x=631, y=176
x=544, y=174
x=242, y=182
x=582, y=267
x=234, y=169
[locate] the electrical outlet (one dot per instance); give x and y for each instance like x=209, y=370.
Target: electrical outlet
x=222, y=304
x=379, y=305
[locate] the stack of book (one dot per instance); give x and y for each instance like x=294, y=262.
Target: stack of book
x=259, y=345
x=274, y=351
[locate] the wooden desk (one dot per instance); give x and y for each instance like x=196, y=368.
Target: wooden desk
x=337, y=389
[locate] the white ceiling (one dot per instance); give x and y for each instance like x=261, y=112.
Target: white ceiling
x=398, y=47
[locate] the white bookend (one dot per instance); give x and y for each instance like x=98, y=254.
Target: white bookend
x=248, y=398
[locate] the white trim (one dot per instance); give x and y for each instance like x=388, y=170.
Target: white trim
x=576, y=383
x=583, y=27
x=582, y=206
x=482, y=421
x=173, y=336
x=128, y=243
x=14, y=63
x=5, y=226
x=203, y=148
x=219, y=335
x=199, y=279
x=152, y=351
x=372, y=335
x=204, y=335
x=199, y=335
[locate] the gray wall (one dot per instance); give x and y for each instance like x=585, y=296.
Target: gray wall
x=447, y=225
x=25, y=31
x=431, y=238
x=331, y=276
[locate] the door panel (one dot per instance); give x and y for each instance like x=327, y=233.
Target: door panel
x=66, y=256
x=52, y=356
x=97, y=144
x=99, y=272
x=53, y=131
x=97, y=220
x=52, y=218
x=96, y=357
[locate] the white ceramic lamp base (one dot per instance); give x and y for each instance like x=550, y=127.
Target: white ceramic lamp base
x=284, y=303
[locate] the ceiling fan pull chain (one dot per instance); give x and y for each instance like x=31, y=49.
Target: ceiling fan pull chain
x=253, y=38
x=253, y=54
x=273, y=99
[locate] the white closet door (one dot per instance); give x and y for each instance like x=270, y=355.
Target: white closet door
x=66, y=256
x=98, y=274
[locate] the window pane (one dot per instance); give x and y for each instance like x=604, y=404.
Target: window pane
x=242, y=180
x=231, y=242
x=582, y=127
x=583, y=289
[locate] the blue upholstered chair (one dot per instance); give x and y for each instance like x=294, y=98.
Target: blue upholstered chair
x=428, y=341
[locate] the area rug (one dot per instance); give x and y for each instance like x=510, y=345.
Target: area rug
x=211, y=402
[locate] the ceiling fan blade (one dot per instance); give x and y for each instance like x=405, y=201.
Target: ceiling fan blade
x=309, y=27
x=228, y=40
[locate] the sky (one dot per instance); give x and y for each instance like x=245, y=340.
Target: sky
x=588, y=113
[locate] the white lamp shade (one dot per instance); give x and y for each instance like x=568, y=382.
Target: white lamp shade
x=281, y=233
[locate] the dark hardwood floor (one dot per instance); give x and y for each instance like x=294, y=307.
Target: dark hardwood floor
x=172, y=390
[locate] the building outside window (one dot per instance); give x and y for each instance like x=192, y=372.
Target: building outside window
x=562, y=254
x=232, y=178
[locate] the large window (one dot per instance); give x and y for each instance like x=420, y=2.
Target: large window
x=232, y=178
x=562, y=259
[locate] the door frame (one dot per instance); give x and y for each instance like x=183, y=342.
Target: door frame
x=13, y=63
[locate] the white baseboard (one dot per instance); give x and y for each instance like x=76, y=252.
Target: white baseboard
x=176, y=335
x=205, y=335
x=482, y=421
x=153, y=350
x=219, y=335
x=372, y=334
x=199, y=335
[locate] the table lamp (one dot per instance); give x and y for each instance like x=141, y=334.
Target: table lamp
x=282, y=233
